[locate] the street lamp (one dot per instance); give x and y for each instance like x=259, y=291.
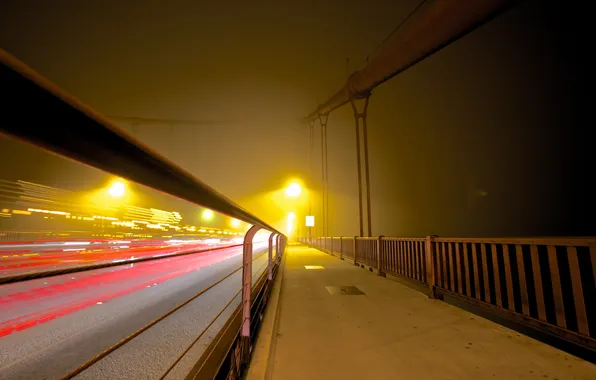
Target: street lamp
x=117, y=190
x=206, y=215
x=293, y=190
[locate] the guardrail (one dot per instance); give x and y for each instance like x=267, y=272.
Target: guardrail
x=37, y=112
x=545, y=283
x=225, y=358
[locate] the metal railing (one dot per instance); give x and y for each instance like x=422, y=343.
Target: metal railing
x=37, y=112
x=545, y=283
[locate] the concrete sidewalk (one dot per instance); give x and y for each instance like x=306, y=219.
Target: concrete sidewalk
x=315, y=330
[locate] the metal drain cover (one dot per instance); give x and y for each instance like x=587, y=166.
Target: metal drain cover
x=344, y=291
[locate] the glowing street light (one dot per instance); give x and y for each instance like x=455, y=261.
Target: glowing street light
x=207, y=215
x=235, y=223
x=293, y=190
x=117, y=190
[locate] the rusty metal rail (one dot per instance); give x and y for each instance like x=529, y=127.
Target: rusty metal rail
x=545, y=283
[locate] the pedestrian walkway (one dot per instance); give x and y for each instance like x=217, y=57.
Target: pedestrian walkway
x=331, y=320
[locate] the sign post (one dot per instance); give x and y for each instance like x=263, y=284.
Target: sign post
x=310, y=223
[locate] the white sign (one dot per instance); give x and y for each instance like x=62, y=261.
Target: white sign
x=310, y=221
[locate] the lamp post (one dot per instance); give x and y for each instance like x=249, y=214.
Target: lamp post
x=310, y=223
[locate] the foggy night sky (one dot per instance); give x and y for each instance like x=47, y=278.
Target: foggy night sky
x=490, y=136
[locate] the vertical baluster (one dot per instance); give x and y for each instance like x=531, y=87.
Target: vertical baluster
x=375, y=252
x=410, y=263
x=451, y=266
x=538, y=282
x=444, y=265
x=467, y=270
x=508, y=278
x=397, y=258
x=438, y=269
x=578, y=293
x=406, y=259
x=493, y=249
x=484, y=259
x=417, y=272
x=414, y=261
x=521, y=270
x=476, y=273
x=421, y=261
x=396, y=255
x=389, y=255
x=460, y=288
x=394, y=266
x=402, y=258
x=556, y=284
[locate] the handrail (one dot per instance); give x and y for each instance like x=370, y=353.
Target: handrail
x=72, y=129
x=577, y=241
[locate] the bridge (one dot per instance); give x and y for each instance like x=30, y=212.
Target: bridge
x=117, y=263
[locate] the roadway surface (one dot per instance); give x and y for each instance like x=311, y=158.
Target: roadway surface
x=35, y=257
x=53, y=325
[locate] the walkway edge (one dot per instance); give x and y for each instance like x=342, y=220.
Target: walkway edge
x=261, y=364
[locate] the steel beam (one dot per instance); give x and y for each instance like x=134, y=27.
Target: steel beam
x=444, y=22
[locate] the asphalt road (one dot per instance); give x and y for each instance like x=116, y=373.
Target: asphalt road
x=53, y=325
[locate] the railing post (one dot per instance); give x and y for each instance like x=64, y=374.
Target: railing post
x=282, y=246
x=355, y=250
x=270, y=256
x=380, y=256
x=247, y=286
x=278, y=248
x=430, y=266
x=341, y=248
x=331, y=249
